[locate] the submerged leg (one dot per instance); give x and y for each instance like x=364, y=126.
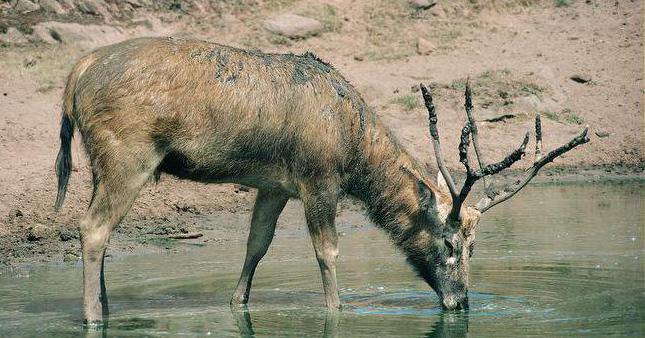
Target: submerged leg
x=117, y=183
x=320, y=211
x=105, y=212
x=268, y=206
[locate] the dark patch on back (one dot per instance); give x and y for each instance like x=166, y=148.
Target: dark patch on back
x=221, y=57
x=340, y=89
x=360, y=106
x=299, y=74
x=196, y=54
x=317, y=62
x=231, y=79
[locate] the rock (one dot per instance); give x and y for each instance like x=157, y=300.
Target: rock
x=70, y=257
x=533, y=104
x=602, y=133
x=190, y=235
x=13, y=36
x=581, y=78
x=425, y=47
x=488, y=115
x=52, y=6
x=88, y=7
x=88, y=36
x=359, y=58
x=26, y=6
x=422, y=4
x=293, y=26
x=30, y=62
x=241, y=188
x=66, y=235
x=37, y=232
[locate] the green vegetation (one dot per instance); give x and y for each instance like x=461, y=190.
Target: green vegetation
x=563, y=3
x=575, y=119
x=551, y=116
x=326, y=14
x=407, y=102
x=566, y=115
x=499, y=87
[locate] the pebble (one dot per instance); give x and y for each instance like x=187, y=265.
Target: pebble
x=425, y=47
x=422, y=4
x=293, y=26
x=581, y=78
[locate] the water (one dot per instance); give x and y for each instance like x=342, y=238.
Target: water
x=557, y=260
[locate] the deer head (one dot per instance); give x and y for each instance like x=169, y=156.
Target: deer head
x=444, y=262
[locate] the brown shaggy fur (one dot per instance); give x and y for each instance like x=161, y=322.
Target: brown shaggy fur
x=289, y=125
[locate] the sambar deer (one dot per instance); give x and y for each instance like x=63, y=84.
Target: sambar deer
x=290, y=126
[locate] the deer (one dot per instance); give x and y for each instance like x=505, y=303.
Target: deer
x=287, y=125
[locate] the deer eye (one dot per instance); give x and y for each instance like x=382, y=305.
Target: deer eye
x=451, y=249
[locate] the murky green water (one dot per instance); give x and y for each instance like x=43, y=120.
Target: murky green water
x=563, y=260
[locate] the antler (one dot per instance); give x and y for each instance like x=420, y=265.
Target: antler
x=472, y=176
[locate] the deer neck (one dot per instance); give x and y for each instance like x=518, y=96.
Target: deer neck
x=389, y=192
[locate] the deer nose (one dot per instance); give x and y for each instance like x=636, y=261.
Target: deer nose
x=454, y=303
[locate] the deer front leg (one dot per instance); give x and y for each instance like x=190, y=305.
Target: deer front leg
x=320, y=211
x=268, y=206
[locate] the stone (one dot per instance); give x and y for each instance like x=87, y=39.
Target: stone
x=88, y=7
x=26, y=6
x=533, y=104
x=52, y=6
x=13, y=36
x=425, y=47
x=37, y=232
x=581, y=78
x=422, y=4
x=66, y=235
x=71, y=257
x=602, y=133
x=87, y=36
x=29, y=62
x=293, y=26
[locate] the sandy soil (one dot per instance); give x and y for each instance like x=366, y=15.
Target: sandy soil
x=520, y=55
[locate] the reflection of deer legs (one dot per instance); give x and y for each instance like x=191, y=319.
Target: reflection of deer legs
x=245, y=324
x=268, y=206
x=332, y=320
x=320, y=211
x=243, y=321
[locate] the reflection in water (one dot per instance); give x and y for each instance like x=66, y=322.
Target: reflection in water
x=450, y=325
x=243, y=320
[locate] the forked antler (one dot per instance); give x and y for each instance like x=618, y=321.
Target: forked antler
x=472, y=175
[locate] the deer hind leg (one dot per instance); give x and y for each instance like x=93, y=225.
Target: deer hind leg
x=320, y=211
x=118, y=178
x=268, y=206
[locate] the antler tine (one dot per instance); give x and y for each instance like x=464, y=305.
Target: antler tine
x=473, y=126
x=538, y=138
x=434, y=133
x=471, y=176
x=487, y=203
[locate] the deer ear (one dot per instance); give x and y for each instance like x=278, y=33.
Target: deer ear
x=426, y=196
x=441, y=182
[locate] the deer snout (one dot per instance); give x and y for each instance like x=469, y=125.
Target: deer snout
x=453, y=302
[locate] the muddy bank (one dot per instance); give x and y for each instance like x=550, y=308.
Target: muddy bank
x=182, y=226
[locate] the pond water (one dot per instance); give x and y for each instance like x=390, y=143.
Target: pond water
x=557, y=260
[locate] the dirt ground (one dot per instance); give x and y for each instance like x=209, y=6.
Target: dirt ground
x=521, y=57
